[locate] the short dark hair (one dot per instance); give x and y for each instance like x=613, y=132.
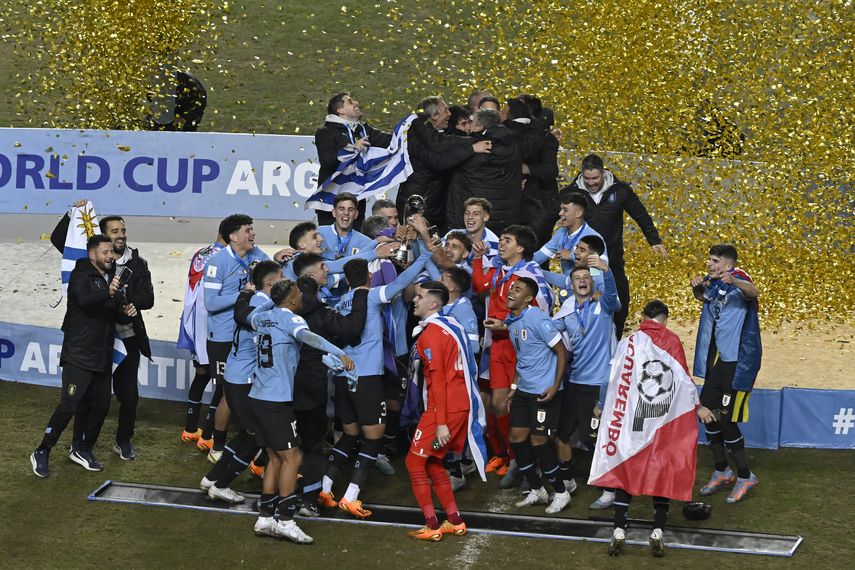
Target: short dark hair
x=533, y=102
x=725, y=250
x=573, y=197
x=96, y=240
x=655, y=308
x=345, y=196
x=102, y=223
x=530, y=284
x=488, y=118
x=261, y=270
x=280, y=290
x=436, y=289
x=380, y=204
x=596, y=243
x=304, y=261
x=233, y=223
x=375, y=224
x=488, y=99
x=578, y=268
x=458, y=112
x=356, y=272
x=476, y=96
x=477, y=201
x=462, y=237
x=460, y=277
x=299, y=232
x=517, y=109
x=592, y=162
x=336, y=102
x=525, y=237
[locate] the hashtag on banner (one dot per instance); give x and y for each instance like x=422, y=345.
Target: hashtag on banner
x=844, y=420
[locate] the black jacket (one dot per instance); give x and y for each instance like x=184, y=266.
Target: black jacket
x=607, y=216
x=310, y=384
x=90, y=319
x=433, y=155
x=496, y=176
x=139, y=291
x=333, y=137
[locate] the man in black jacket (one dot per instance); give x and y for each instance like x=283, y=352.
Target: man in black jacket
x=540, y=171
x=342, y=127
x=608, y=198
x=310, y=384
x=87, y=347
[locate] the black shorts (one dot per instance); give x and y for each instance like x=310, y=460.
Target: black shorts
x=366, y=406
x=237, y=397
x=718, y=393
x=540, y=417
x=218, y=353
x=394, y=384
x=276, y=426
x=577, y=409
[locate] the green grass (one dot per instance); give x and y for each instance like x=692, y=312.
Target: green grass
x=50, y=524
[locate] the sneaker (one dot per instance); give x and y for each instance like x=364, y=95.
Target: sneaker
x=85, y=459
x=189, y=437
x=227, y=495
x=457, y=483
x=657, y=544
x=495, y=463
x=718, y=480
x=605, y=501
x=383, y=465
x=214, y=456
x=617, y=542
x=513, y=477
x=256, y=470
x=503, y=470
x=290, y=530
x=570, y=485
x=558, y=503
x=524, y=487
x=327, y=500
x=206, y=483
x=468, y=468
x=534, y=497
x=456, y=529
x=309, y=510
x=204, y=445
x=265, y=526
x=741, y=489
x=354, y=508
x=426, y=533
x=39, y=460
x=125, y=450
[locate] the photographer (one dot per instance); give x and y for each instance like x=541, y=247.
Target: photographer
x=89, y=328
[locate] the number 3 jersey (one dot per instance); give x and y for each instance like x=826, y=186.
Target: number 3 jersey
x=278, y=354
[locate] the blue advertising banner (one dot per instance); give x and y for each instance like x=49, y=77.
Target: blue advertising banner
x=31, y=354
x=818, y=418
x=200, y=175
x=764, y=420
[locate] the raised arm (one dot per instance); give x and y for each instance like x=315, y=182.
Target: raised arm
x=309, y=338
x=388, y=292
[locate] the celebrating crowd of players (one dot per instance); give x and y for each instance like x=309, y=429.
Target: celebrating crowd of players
x=464, y=352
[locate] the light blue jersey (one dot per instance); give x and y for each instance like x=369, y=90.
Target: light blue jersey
x=564, y=240
x=368, y=354
x=589, y=329
x=533, y=335
x=563, y=281
x=335, y=267
x=727, y=306
x=337, y=247
x=278, y=354
x=225, y=275
x=462, y=311
x=240, y=364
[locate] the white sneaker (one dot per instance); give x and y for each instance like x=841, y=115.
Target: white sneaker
x=290, y=530
x=214, y=456
x=534, y=497
x=265, y=526
x=457, y=483
x=606, y=500
x=206, y=483
x=570, y=485
x=559, y=503
x=226, y=495
x=617, y=542
x=657, y=543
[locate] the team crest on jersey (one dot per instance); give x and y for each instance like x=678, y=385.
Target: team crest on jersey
x=417, y=436
x=428, y=354
x=354, y=250
x=524, y=334
x=725, y=400
x=541, y=416
x=72, y=389
x=212, y=271
x=298, y=320
x=612, y=198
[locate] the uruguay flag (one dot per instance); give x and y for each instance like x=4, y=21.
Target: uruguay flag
x=367, y=173
x=648, y=437
x=82, y=225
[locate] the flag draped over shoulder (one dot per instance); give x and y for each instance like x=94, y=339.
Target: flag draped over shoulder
x=82, y=225
x=367, y=173
x=648, y=436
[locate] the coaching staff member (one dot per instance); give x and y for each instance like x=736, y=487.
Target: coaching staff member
x=608, y=198
x=87, y=347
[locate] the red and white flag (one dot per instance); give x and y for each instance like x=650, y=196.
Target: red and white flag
x=648, y=437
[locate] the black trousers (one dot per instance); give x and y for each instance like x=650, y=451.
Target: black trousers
x=126, y=388
x=312, y=429
x=619, y=273
x=86, y=398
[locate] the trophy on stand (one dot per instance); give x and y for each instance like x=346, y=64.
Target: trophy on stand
x=415, y=205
